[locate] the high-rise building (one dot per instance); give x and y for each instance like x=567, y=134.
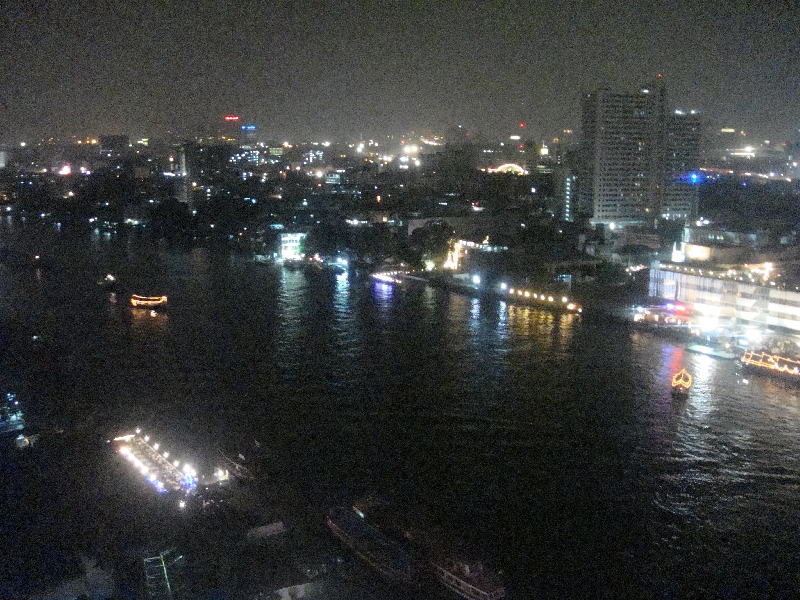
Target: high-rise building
x=637, y=157
x=681, y=159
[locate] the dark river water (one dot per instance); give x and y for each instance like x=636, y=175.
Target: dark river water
x=547, y=444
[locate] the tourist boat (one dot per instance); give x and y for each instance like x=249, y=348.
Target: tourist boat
x=377, y=550
x=467, y=579
x=772, y=364
x=148, y=301
x=681, y=382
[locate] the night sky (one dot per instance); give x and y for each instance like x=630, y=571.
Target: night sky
x=338, y=70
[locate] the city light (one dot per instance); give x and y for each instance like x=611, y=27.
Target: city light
x=157, y=471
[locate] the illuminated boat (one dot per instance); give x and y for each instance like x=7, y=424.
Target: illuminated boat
x=11, y=418
x=681, y=382
x=377, y=550
x=467, y=579
x=108, y=282
x=148, y=301
x=772, y=364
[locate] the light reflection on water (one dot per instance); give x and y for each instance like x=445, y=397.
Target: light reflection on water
x=546, y=442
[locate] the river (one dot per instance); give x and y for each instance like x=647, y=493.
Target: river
x=548, y=444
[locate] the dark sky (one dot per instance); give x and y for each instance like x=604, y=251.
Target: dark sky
x=341, y=70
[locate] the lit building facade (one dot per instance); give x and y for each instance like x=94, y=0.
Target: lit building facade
x=292, y=245
x=723, y=294
x=637, y=158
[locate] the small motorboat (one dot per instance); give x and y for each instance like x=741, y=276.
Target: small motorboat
x=681, y=382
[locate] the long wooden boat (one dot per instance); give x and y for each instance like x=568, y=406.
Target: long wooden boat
x=148, y=301
x=681, y=382
x=379, y=551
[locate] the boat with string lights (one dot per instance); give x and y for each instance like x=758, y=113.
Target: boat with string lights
x=681, y=382
x=138, y=301
x=765, y=363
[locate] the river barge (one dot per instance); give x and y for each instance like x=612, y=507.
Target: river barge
x=373, y=547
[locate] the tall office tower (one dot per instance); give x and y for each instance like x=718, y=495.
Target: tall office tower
x=681, y=159
x=634, y=151
x=565, y=188
x=183, y=192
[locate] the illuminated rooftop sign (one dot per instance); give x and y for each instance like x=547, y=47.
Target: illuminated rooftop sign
x=231, y=118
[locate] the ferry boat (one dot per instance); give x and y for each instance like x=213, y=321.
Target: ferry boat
x=681, y=382
x=467, y=579
x=377, y=550
x=138, y=301
x=772, y=364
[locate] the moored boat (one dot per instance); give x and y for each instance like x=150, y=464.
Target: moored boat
x=379, y=551
x=433, y=550
x=468, y=579
x=681, y=382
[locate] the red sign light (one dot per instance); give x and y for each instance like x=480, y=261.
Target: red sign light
x=231, y=117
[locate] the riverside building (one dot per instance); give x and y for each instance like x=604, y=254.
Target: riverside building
x=746, y=295
x=638, y=158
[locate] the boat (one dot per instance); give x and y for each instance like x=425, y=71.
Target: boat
x=109, y=282
x=430, y=548
x=373, y=547
x=712, y=351
x=785, y=368
x=138, y=301
x=11, y=417
x=681, y=382
x=468, y=579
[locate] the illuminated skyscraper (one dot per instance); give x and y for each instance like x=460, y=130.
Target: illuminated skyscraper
x=681, y=159
x=638, y=157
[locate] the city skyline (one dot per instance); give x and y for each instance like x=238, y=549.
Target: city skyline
x=342, y=70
